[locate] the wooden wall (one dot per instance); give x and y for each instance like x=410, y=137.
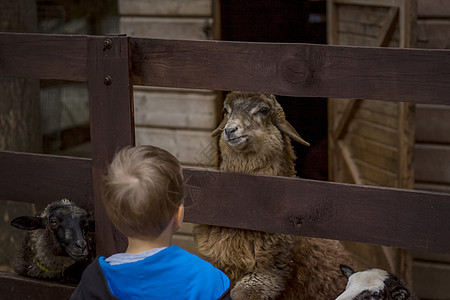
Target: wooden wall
x=178, y=120
x=364, y=25
x=432, y=148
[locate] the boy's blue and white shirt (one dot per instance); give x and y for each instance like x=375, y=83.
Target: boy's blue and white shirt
x=163, y=273
x=123, y=258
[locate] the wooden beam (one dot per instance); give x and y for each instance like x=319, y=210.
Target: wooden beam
x=298, y=70
x=346, y=117
x=387, y=3
x=14, y=286
x=350, y=163
x=385, y=216
x=112, y=123
x=42, y=56
x=42, y=179
x=388, y=27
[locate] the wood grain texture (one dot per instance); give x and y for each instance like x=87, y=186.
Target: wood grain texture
x=42, y=179
x=112, y=123
x=165, y=8
x=43, y=56
x=14, y=286
x=391, y=217
x=301, y=70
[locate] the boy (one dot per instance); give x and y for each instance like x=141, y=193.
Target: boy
x=143, y=197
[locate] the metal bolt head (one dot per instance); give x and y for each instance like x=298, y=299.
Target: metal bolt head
x=107, y=80
x=107, y=44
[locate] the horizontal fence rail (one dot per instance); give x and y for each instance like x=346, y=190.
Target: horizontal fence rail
x=300, y=70
x=18, y=287
x=42, y=56
x=42, y=179
x=386, y=216
x=303, y=70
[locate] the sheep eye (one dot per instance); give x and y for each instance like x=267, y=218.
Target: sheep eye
x=376, y=295
x=53, y=221
x=225, y=111
x=264, y=110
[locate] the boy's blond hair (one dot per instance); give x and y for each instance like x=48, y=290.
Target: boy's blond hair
x=142, y=190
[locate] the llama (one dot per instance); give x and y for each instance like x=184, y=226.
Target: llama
x=255, y=138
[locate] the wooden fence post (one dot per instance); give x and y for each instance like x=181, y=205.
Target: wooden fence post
x=112, y=122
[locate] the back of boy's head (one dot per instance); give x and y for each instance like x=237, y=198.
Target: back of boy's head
x=142, y=190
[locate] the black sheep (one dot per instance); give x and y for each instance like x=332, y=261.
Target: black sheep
x=59, y=244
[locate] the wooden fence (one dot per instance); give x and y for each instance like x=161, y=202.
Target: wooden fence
x=111, y=65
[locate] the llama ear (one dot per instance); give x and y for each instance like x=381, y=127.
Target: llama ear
x=287, y=129
x=346, y=270
x=28, y=223
x=220, y=128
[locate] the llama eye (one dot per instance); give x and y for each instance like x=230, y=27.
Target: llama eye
x=225, y=111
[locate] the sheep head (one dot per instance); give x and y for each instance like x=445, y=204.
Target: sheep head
x=68, y=224
x=373, y=284
x=248, y=118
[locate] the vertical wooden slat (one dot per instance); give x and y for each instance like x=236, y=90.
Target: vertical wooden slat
x=112, y=122
x=332, y=23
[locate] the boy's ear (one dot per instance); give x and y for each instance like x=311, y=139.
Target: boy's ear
x=28, y=223
x=179, y=215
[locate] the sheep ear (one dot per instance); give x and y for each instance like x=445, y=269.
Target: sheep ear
x=220, y=128
x=400, y=293
x=91, y=223
x=346, y=270
x=28, y=223
x=287, y=129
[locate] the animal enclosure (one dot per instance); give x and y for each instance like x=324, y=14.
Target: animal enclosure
x=111, y=65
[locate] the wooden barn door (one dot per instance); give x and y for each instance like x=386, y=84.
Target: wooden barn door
x=371, y=142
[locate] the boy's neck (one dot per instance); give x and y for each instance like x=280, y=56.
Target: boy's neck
x=138, y=245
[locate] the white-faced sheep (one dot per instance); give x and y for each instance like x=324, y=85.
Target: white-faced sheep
x=59, y=243
x=373, y=284
x=256, y=139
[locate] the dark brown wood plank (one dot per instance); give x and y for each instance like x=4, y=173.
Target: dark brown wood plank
x=13, y=286
x=393, y=217
x=43, y=56
x=432, y=124
x=294, y=69
x=38, y=178
x=112, y=123
x=431, y=163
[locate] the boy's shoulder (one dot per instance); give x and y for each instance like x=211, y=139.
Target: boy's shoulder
x=93, y=284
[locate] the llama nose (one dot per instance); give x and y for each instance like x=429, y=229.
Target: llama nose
x=81, y=244
x=229, y=131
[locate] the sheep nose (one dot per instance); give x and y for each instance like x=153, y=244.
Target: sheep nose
x=81, y=244
x=229, y=131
